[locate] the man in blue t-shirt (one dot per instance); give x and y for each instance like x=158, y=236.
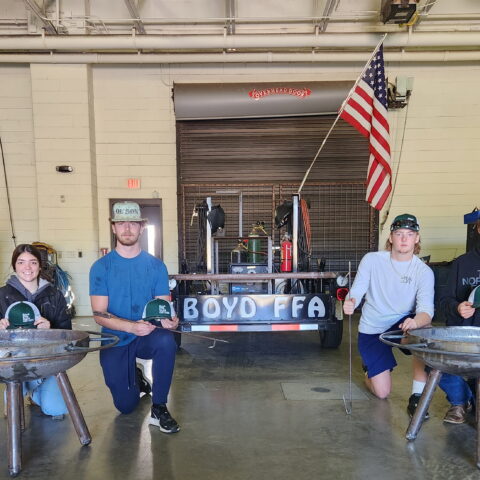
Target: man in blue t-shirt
x=121, y=284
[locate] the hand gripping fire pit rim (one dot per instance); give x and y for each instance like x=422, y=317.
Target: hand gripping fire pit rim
x=426, y=346
x=458, y=360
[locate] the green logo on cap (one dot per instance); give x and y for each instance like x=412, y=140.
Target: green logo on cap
x=22, y=315
x=157, y=308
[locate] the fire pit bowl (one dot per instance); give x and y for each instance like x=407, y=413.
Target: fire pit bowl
x=454, y=350
x=30, y=354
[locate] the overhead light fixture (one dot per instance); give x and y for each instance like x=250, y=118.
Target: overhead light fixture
x=398, y=11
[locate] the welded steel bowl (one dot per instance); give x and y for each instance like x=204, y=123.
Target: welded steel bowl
x=28, y=354
x=454, y=350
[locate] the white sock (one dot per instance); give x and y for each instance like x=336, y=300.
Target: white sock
x=417, y=387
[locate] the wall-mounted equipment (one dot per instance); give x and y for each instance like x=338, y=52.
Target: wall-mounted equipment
x=399, y=92
x=397, y=11
x=64, y=169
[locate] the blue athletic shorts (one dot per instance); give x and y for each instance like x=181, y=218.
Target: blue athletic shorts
x=376, y=355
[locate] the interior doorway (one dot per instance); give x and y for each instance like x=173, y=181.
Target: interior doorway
x=152, y=238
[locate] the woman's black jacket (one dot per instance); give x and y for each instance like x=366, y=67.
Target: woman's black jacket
x=50, y=301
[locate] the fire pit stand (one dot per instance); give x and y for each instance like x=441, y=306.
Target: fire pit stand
x=454, y=350
x=31, y=354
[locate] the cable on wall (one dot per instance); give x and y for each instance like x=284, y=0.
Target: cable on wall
x=14, y=238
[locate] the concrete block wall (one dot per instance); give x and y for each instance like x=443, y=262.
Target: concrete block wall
x=64, y=134
x=115, y=122
x=135, y=138
x=439, y=160
x=16, y=133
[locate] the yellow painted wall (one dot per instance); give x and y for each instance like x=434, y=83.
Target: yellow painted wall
x=116, y=122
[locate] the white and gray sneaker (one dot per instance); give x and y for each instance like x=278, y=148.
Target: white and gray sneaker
x=162, y=419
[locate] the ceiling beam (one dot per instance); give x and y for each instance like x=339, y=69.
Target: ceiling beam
x=35, y=9
x=132, y=8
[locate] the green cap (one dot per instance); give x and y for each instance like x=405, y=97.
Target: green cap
x=157, y=308
x=22, y=315
x=126, y=212
x=474, y=297
x=406, y=220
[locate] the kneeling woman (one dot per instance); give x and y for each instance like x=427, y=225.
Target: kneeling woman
x=26, y=285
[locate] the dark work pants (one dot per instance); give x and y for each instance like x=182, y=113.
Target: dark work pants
x=118, y=364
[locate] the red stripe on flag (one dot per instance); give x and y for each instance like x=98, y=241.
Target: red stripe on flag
x=359, y=109
x=383, y=198
x=384, y=162
x=380, y=139
x=354, y=123
x=382, y=119
x=365, y=92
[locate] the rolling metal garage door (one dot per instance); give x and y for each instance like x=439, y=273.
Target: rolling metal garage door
x=265, y=159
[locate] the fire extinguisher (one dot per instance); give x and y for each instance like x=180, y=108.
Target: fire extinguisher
x=286, y=253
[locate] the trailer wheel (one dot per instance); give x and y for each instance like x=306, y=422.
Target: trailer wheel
x=332, y=337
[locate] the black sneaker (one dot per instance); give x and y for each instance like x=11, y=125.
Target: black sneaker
x=413, y=404
x=143, y=384
x=161, y=418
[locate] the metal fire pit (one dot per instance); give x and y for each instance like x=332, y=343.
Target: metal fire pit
x=31, y=354
x=454, y=350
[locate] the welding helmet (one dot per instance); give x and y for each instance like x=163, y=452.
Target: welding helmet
x=22, y=315
x=216, y=218
x=406, y=220
x=283, y=213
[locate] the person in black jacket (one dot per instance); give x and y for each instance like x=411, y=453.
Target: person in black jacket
x=27, y=285
x=463, y=277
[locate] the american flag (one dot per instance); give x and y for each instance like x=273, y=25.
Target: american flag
x=366, y=110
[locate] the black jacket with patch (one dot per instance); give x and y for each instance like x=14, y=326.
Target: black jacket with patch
x=463, y=277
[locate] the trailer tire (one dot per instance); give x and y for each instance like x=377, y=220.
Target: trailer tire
x=332, y=337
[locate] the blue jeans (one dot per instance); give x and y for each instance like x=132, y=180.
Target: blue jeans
x=457, y=389
x=45, y=393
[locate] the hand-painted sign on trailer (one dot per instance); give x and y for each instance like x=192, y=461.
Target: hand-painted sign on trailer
x=238, y=309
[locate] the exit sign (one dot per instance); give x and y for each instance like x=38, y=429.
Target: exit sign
x=133, y=183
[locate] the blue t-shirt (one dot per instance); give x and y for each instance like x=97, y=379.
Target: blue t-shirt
x=129, y=283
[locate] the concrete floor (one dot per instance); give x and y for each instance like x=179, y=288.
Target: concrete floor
x=265, y=406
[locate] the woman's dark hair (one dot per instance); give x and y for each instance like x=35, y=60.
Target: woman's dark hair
x=26, y=247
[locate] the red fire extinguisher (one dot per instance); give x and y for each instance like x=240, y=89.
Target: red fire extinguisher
x=286, y=249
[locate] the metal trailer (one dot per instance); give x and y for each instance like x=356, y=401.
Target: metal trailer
x=203, y=304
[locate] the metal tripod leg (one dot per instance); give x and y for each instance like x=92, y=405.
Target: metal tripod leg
x=423, y=404
x=21, y=407
x=73, y=408
x=14, y=427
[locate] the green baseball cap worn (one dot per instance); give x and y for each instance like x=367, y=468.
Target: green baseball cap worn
x=126, y=212
x=22, y=315
x=406, y=220
x=474, y=297
x=157, y=308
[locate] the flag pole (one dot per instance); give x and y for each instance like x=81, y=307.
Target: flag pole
x=340, y=112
